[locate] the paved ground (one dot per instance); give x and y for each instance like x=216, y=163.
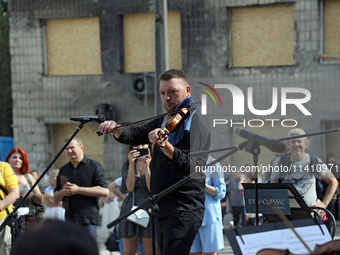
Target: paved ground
x=102, y=249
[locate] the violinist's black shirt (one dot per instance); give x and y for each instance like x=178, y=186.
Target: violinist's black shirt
x=166, y=172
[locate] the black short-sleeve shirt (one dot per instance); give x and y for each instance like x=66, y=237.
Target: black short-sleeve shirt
x=89, y=173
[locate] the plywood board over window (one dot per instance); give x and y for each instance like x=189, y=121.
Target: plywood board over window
x=333, y=142
x=73, y=46
x=139, y=41
x=262, y=36
x=331, y=29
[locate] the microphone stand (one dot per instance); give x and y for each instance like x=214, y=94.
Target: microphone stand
x=10, y=219
x=254, y=149
x=150, y=204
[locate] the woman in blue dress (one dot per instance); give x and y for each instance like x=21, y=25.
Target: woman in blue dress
x=210, y=239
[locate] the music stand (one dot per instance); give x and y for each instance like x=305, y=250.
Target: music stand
x=256, y=238
x=300, y=216
x=298, y=208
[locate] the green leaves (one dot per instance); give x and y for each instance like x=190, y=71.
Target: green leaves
x=5, y=74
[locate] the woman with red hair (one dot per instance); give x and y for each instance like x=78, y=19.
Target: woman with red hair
x=17, y=158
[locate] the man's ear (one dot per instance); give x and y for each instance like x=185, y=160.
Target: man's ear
x=188, y=91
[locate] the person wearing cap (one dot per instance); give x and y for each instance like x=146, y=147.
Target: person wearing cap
x=299, y=173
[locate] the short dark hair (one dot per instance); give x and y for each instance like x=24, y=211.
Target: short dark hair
x=174, y=73
x=77, y=138
x=59, y=237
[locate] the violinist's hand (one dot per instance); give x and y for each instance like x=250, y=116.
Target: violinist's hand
x=110, y=126
x=153, y=135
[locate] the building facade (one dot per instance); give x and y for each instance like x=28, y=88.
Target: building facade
x=81, y=57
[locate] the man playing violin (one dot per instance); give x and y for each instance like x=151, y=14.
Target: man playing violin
x=181, y=211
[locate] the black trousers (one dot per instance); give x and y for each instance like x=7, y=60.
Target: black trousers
x=176, y=232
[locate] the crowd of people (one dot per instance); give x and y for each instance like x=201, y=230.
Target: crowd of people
x=190, y=218
x=72, y=195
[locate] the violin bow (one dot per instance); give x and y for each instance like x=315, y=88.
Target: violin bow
x=287, y=222
x=143, y=120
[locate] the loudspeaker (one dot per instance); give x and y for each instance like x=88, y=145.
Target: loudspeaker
x=143, y=84
x=107, y=110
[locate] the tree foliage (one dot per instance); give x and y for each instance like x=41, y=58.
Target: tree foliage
x=4, y=6
x=5, y=74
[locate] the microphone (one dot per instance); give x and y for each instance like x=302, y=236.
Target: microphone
x=84, y=119
x=272, y=144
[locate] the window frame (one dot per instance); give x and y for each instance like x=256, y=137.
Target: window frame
x=322, y=55
x=45, y=47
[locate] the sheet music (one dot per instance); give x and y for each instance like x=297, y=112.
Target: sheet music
x=284, y=239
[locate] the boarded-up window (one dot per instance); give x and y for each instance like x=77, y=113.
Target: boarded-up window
x=73, y=46
x=262, y=36
x=139, y=42
x=331, y=29
x=333, y=142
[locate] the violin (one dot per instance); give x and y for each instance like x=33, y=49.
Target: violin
x=269, y=251
x=180, y=111
x=172, y=124
x=329, y=248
